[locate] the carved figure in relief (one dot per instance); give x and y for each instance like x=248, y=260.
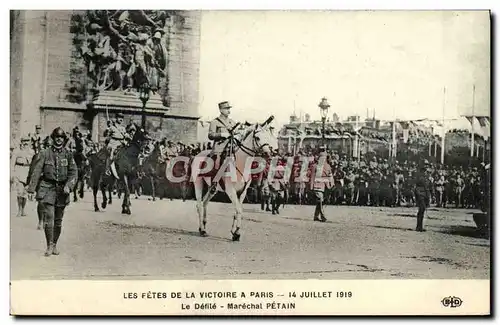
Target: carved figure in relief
x=125, y=49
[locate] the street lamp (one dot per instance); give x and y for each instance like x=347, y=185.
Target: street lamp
x=324, y=106
x=144, y=97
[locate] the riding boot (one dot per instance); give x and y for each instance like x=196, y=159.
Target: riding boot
x=316, y=212
x=57, y=233
x=49, y=239
x=109, y=161
x=39, y=211
x=420, y=214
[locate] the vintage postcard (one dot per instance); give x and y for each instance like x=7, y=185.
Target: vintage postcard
x=182, y=162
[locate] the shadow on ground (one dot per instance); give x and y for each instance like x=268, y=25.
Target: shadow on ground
x=464, y=231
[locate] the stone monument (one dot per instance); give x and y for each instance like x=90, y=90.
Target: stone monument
x=80, y=67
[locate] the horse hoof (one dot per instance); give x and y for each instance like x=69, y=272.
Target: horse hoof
x=81, y=195
x=103, y=205
x=96, y=209
x=236, y=237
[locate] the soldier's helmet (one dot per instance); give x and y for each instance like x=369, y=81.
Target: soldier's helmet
x=58, y=132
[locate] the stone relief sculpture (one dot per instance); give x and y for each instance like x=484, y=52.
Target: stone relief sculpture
x=123, y=50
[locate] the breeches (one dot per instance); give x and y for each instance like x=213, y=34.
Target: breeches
x=422, y=205
x=52, y=215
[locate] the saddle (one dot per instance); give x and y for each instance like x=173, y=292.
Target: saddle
x=219, y=158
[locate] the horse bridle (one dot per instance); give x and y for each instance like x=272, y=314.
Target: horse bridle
x=247, y=150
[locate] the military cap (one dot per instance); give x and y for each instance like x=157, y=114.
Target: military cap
x=119, y=115
x=224, y=104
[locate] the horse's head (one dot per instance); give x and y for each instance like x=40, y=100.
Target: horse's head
x=263, y=139
x=139, y=137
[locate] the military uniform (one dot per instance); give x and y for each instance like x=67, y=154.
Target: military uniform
x=422, y=196
x=37, y=140
x=265, y=191
x=53, y=177
x=219, y=131
x=440, y=183
x=20, y=166
x=318, y=186
x=277, y=186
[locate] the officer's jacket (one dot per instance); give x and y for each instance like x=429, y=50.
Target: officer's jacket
x=321, y=181
x=117, y=132
x=421, y=184
x=36, y=142
x=53, y=166
x=218, y=126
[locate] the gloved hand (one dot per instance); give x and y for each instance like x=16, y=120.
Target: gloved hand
x=225, y=134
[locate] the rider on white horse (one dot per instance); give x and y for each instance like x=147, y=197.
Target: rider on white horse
x=220, y=132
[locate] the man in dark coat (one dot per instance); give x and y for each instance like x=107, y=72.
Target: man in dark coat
x=53, y=177
x=422, y=195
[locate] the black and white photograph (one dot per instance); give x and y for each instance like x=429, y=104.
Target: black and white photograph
x=167, y=145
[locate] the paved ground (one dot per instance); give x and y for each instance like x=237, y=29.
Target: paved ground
x=160, y=241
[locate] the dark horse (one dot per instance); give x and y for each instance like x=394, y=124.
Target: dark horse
x=82, y=165
x=151, y=169
x=125, y=164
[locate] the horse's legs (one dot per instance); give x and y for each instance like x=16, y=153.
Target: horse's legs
x=110, y=188
x=153, y=187
x=126, y=196
x=233, y=196
x=95, y=189
x=208, y=196
x=104, y=198
x=198, y=191
x=74, y=192
x=81, y=187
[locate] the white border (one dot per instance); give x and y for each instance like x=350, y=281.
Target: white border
x=184, y=4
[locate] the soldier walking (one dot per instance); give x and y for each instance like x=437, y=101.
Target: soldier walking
x=53, y=177
x=422, y=196
x=319, y=183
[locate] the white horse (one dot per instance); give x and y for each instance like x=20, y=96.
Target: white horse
x=255, y=140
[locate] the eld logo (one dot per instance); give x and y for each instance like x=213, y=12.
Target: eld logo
x=452, y=302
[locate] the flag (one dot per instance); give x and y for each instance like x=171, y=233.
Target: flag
x=406, y=133
x=469, y=118
x=483, y=120
x=404, y=125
